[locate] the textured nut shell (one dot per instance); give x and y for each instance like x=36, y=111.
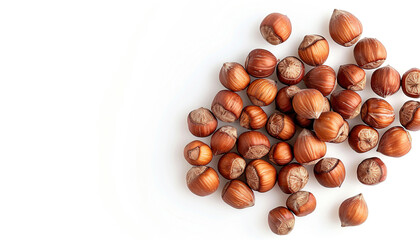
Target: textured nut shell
x=234, y=77
x=314, y=50
x=330, y=126
x=284, y=98
x=308, y=149
x=260, y=63
x=260, y=175
x=223, y=140
x=363, y=138
x=351, y=77
x=385, y=81
x=371, y=171
x=377, y=113
x=330, y=172
x=347, y=103
x=292, y=178
x=198, y=153
x=253, y=117
x=253, y=145
x=280, y=126
x=353, y=211
x=345, y=28
x=238, y=195
x=395, y=142
x=231, y=166
x=201, y=122
x=301, y=203
x=276, y=28
x=308, y=103
x=410, y=83
x=290, y=70
x=281, y=221
x=410, y=115
x=369, y=53
x=202, y=180
x=262, y=92
x=227, y=106
x=321, y=78
x=281, y=153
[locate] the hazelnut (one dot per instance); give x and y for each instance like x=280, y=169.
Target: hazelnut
x=290, y=70
x=347, y=103
x=253, y=117
x=395, y=142
x=308, y=149
x=369, y=53
x=281, y=220
x=410, y=83
x=276, y=28
x=260, y=175
x=385, y=81
x=198, y=153
x=345, y=28
x=262, y=92
x=281, y=153
x=353, y=211
x=201, y=122
x=352, y=77
x=363, y=138
x=292, y=178
x=314, y=50
x=301, y=203
x=253, y=145
x=303, y=122
x=308, y=103
x=280, y=126
x=202, y=180
x=223, y=140
x=231, y=166
x=321, y=78
x=227, y=106
x=331, y=127
x=377, y=113
x=234, y=77
x=238, y=195
x=260, y=63
x=284, y=98
x=371, y=171
x=330, y=172
x=410, y=115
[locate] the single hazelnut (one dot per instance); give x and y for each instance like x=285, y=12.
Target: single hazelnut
x=321, y=78
x=231, y=166
x=280, y=126
x=202, y=180
x=308, y=103
x=303, y=122
x=262, y=92
x=330, y=172
x=281, y=153
x=281, y=220
x=238, y=195
x=371, y=171
x=292, y=178
x=308, y=149
x=410, y=83
x=253, y=145
x=352, y=77
x=276, y=28
x=198, y=153
x=395, y=142
x=345, y=28
x=290, y=70
x=377, y=113
x=314, y=50
x=363, y=138
x=347, y=103
x=253, y=117
x=260, y=63
x=385, y=81
x=234, y=77
x=201, y=122
x=410, y=115
x=353, y=211
x=369, y=53
x=223, y=140
x=301, y=203
x=260, y=175
x=331, y=127
x=227, y=106
x=284, y=98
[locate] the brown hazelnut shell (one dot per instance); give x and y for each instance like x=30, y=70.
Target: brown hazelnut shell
x=227, y=106
x=284, y=98
x=330, y=172
x=369, y=53
x=363, y=138
x=351, y=77
x=198, y=153
x=410, y=83
x=231, y=166
x=345, y=28
x=410, y=115
x=292, y=178
x=262, y=92
x=281, y=220
x=253, y=145
x=280, y=126
x=276, y=28
x=347, y=103
x=301, y=203
x=253, y=117
x=234, y=77
x=385, y=81
x=290, y=70
x=321, y=78
x=371, y=171
x=260, y=63
x=202, y=180
x=395, y=142
x=238, y=195
x=308, y=103
x=201, y=122
x=377, y=113
x=308, y=149
x=314, y=50
x=260, y=175
x=281, y=153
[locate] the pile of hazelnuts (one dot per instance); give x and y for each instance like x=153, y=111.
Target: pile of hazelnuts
x=321, y=120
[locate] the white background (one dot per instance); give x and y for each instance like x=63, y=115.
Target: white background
x=93, y=103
